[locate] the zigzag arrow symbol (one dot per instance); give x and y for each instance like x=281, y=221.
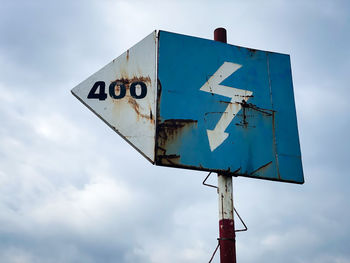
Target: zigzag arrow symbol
x=217, y=136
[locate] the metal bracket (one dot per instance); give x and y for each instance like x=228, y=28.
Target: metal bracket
x=210, y=185
x=234, y=209
x=240, y=218
x=239, y=230
x=245, y=226
x=216, y=249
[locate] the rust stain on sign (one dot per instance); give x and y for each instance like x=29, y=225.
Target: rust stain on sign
x=123, y=94
x=170, y=133
x=125, y=83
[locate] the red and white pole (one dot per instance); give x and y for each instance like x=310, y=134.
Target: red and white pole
x=227, y=236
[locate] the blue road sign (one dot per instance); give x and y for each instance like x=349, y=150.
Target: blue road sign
x=199, y=104
x=226, y=109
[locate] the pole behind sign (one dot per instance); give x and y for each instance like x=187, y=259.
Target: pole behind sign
x=227, y=236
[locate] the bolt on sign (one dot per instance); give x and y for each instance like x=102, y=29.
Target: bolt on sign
x=199, y=104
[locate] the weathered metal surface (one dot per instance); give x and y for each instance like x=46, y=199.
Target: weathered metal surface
x=127, y=101
x=227, y=234
x=199, y=104
x=233, y=106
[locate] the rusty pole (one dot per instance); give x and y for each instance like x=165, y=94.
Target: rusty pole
x=227, y=236
x=220, y=35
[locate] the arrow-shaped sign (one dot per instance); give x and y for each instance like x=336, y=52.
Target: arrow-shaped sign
x=138, y=95
x=123, y=94
x=218, y=135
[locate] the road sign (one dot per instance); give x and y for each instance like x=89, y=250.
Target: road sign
x=199, y=104
x=123, y=94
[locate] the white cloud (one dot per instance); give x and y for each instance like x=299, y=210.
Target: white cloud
x=292, y=240
x=86, y=207
x=72, y=191
x=50, y=127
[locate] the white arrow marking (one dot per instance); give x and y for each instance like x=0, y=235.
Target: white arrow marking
x=218, y=135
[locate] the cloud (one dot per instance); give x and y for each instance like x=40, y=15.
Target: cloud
x=71, y=190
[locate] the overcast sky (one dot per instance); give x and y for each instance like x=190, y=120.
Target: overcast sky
x=72, y=190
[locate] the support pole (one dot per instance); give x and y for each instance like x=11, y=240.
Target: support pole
x=227, y=236
x=220, y=35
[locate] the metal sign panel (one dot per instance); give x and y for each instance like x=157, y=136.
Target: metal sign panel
x=226, y=109
x=199, y=104
x=123, y=94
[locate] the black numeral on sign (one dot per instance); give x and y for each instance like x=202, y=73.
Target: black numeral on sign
x=117, y=90
x=98, y=91
x=139, y=86
x=122, y=90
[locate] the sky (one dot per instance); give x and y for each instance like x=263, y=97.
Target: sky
x=72, y=190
